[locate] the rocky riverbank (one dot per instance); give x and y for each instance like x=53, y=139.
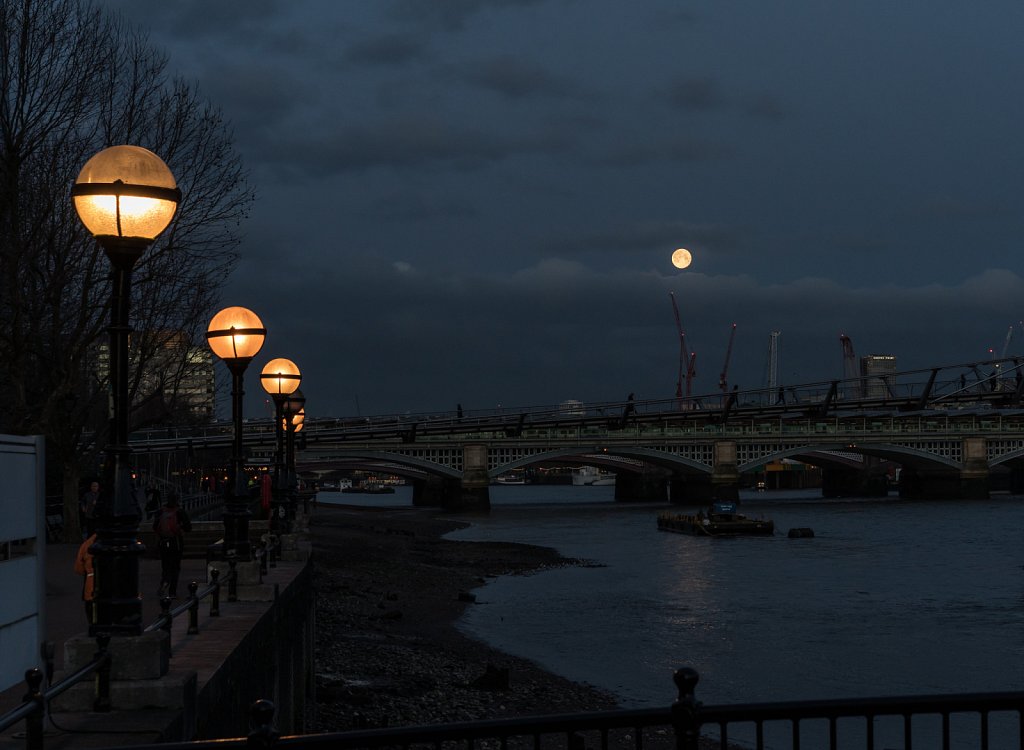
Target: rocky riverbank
x=389, y=591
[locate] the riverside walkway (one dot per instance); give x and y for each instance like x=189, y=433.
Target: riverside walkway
x=204, y=653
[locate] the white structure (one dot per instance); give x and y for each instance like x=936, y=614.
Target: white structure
x=22, y=556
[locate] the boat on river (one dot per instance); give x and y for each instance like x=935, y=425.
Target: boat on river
x=591, y=476
x=721, y=519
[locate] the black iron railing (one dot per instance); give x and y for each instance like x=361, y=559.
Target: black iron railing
x=940, y=721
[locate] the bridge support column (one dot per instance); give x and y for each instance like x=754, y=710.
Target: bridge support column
x=725, y=476
x=474, y=494
x=641, y=488
x=974, y=479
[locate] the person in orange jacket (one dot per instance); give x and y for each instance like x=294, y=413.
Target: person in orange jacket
x=83, y=566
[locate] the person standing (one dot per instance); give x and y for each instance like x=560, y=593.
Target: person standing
x=170, y=525
x=84, y=568
x=87, y=509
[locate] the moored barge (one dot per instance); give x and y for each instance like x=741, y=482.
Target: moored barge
x=722, y=519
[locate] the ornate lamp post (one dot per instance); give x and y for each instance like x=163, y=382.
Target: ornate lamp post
x=280, y=378
x=125, y=196
x=236, y=335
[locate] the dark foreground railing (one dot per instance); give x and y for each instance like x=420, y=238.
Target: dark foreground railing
x=977, y=721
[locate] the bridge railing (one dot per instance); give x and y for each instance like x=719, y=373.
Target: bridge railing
x=978, y=385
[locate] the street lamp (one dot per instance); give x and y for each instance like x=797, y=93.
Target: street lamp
x=236, y=335
x=280, y=378
x=293, y=407
x=125, y=196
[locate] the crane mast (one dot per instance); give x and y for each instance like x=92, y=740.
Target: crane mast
x=773, y=362
x=687, y=359
x=723, y=378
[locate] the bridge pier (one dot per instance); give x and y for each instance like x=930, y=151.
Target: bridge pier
x=725, y=476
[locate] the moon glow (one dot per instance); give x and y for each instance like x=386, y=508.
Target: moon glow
x=681, y=258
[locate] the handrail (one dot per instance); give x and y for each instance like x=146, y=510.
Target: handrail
x=165, y=619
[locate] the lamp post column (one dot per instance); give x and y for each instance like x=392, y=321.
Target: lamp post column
x=280, y=495
x=236, y=508
x=118, y=600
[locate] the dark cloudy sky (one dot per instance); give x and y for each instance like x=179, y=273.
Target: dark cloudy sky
x=475, y=201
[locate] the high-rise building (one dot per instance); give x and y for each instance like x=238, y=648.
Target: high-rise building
x=177, y=382
x=877, y=373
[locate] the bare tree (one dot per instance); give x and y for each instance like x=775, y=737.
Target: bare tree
x=74, y=80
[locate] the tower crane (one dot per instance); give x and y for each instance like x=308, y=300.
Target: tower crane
x=687, y=359
x=723, y=378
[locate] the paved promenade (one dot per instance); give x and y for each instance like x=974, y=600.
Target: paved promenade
x=203, y=653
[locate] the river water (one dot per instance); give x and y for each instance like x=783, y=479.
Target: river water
x=890, y=597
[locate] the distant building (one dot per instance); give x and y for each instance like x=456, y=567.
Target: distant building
x=572, y=408
x=878, y=373
x=177, y=383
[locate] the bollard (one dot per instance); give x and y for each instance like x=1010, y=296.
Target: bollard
x=102, y=702
x=261, y=725
x=232, y=581
x=34, y=721
x=193, y=608
x=273, y=551
x=686, y=709
x=215, y=596
x=264, y=552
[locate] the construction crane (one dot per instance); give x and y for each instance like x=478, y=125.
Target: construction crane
x=849, y=366
x=772, y=367
x=723, y=378
x=687, y=359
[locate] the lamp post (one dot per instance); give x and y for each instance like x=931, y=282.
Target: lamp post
x=293, y=408
x=280, y=378
x=236, y=335
x=125, y=196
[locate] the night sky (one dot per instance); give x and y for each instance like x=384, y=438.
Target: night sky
x=476, y=201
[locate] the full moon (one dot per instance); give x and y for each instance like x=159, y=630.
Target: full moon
x=681, y=258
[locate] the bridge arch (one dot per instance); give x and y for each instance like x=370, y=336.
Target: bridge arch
x=899, y=453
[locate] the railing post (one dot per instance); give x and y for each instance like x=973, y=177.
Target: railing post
x=193, y=608
x=273, y=550
x=261, y=726
x=215, y=596
x=686, y=709
x=102, y=702
x=264, y=551
x=34, y=721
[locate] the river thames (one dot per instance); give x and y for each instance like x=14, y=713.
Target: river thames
x=890, y=597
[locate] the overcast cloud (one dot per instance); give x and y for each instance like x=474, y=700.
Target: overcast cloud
x=475, y=202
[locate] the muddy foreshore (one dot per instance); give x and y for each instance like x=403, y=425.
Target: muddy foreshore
x=389, y=590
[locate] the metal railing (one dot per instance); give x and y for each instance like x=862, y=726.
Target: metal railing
x=35, y=704
x=687, y=724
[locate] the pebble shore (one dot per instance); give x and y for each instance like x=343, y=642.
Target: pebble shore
x=389, y=590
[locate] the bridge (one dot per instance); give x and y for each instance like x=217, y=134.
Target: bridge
x=955, y=431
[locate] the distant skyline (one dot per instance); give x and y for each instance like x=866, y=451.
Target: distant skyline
x=476, y=201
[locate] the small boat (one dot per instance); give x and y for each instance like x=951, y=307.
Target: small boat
x=722, y=519
x=511, y=478
x=591, y=476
